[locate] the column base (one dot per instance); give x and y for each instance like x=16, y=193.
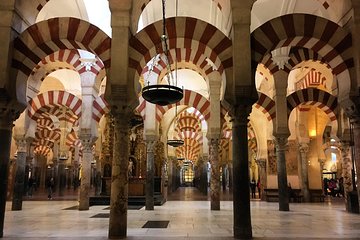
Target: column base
x=284, y=208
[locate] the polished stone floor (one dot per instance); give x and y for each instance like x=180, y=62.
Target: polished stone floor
x=48, y=219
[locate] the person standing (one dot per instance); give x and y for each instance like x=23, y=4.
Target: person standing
x=31, y=183
x=253, y=188
x=50, y=185
x=258, y=185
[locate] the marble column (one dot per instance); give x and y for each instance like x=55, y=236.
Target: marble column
x=98, y=177
x=224, y=176
x=356, y=132
x=281, y=146
x=281, y=130
x=61, y=177
x=304, y=149
x=119, y=176
x=19, y=186
x=322, y=164
x=346, y=170
x=204, y=178
x=230, y=167
x=87, y=141
x=261, y=162
x=215, y=174
x=241, y=191
x=6, y=123
x=149, y=188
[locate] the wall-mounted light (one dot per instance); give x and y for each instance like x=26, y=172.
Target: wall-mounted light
x=312, y=133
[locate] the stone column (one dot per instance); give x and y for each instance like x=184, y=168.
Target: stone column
x=230, y=167
x=19, y=186
x=149, y=188
x=346, y=170
x=356, y=131
x=215, y=173
x=322, y=164
x=87, y=141
x=261, y=162
x=281, y=130
x=224, y=176
x=61, y=177
x=56, y=166
x=241, y=191
x=98, y=176
x=7, y=117
x=119, y=176
x=281, y=146
x=303, y=149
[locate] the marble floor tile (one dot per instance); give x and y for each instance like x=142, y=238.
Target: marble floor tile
x=187, y=220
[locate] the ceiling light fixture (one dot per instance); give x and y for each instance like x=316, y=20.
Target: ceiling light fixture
x=164, y=94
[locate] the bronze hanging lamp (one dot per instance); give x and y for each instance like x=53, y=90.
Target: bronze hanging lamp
x=175, y=142
x=164, y=94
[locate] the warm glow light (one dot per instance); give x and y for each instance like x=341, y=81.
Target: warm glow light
x=312, y=133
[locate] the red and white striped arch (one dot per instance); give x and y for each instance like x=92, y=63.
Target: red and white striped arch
x=306, y=31
x=62, y=59
x=226, y=131
x=100, y=107
x=42, y=150
x=191, y=99
x=314, y=97
x=72, y=139
x=312, y=79
x=322, y=36
x=188, y=122
x=45, y=122
x=266, y=105
x=54, y=100
x=296, y=56
x=197, y=136
x=190, y=150
x=201, y=67
x=141, y=108
x=204, y=40
x=52, y=35
x=44, y=142
x=45, y=133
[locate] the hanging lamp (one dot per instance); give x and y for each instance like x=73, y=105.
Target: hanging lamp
x=175, y=142
x=164, y=94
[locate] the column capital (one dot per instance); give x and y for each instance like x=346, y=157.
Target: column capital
x=87, y=141
x=213, y=135
x=120, y=114
x=281, y=142
x=214, y=141
x=240, y=114
x=150, y=144
x=21, y=144
x=8, y=116
x=303, y=147
x=280, y=56
x=261, y=162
